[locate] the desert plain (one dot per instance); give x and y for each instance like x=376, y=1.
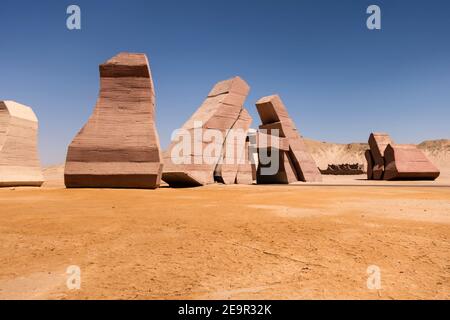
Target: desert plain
x=302, y=241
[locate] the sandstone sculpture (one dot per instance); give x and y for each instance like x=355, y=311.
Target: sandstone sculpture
x=378, y=143
x=211, y=159
x=19, y=160
x=389, y=161
x=295, y=162
x=119, y=145
x=407, y=162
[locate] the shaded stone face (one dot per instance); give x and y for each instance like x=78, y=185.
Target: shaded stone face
x=378, y=143
x=369, y=167
x=119, y=145
x=19, y=160
x=407, y=162
x=296, y=163
x=221, y=113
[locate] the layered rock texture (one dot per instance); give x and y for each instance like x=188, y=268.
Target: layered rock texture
x=295, y=163
x=119, y=145
x=19, y=160
x=389, y=161
x=407, y=162
x=214, y=139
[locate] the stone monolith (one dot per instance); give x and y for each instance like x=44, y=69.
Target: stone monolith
x=19, y=159
x=119, y=145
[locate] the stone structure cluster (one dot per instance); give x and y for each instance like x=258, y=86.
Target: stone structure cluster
x=389, y=161
x=119, y=147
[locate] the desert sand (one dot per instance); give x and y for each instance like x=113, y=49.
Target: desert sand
x=303, y=241
x=227, y=242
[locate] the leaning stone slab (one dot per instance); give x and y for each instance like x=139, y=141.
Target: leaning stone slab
x=285, y=173
x=19, y=159
x=407, y=162
x=297, y=163
x=267, y=141
x=119, y=145
x=221, y=111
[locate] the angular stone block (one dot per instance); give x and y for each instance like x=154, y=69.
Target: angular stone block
x=266, y=140
x=221, y=111
x=245, y=169
x=119, y=145
x=378, y=143
x=19, y=159
x=369, y=165
x=297, y=162
x=234, y=150
x=407, y=162
x=285, y=173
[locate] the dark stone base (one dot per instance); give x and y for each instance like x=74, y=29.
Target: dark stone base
x=128, y=181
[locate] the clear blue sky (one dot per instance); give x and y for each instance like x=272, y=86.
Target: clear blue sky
x=339, y=80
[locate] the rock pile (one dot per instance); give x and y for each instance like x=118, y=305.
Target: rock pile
x=344, y=169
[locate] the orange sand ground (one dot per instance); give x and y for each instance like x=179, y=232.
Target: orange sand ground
x=228, y=242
